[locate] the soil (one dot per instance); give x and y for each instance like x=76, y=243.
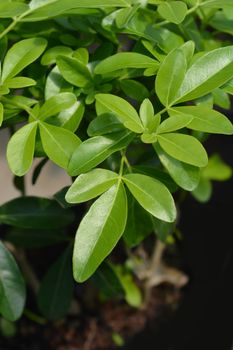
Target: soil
x=95, y=331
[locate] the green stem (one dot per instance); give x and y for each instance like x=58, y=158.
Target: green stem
x=34, y=317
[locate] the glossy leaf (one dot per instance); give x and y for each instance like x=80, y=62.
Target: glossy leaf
x=12, y=286
x=56, y=104
x=21, y=55
x=175, y=122
x=33, y=212
x=147, y=115
x=53, y=299
x=185, y=175
x=173, y=11
x=74, y=71
x=124, y=60
x=20, y=149
x=170, y=76
x=185, y=148
x=19, y=82
x=204, y=119
x=123, y=110
x=99, y=232
x=90, y=185
x=95, y=150
x=152, y=195
x=208, y=72
x=58, y=143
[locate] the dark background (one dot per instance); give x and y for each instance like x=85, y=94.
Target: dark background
x=204, y=319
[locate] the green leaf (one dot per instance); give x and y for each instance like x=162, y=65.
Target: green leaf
x=56, y=290
x=152, y=195
x=106, y=123
x=12, y=286
x=21, y=55
x=50, y=56
x=216, y=3
x=106, y=280
x=216, y=169
x=139, y=223
x=173, y=123
x=163, y=229
x=10, y=9
x=96, y=149
x=173, y=11
x=99, y=232
x=134, y=89
x=19, y=82
x=58, y=143
x=170, y=76
x=52, y=8
x=185, y=148
x=82, y=55
x=74, y=71
x=1, y=113
x=123, y=110
x=20, y=149
x=124, y=60
x=56, y=104
x=203, y=191
x=204, y=119
x=34, y=213
x=35, y=238
x=147, y=117
x=208, y=72
x=185, y=175
x=90, y=185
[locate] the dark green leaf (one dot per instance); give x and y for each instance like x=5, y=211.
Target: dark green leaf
x=12, y=286
x=35, y=212
x=56, y=290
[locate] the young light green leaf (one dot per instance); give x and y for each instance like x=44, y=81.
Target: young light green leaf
x=203, y=191
x=53, y=299
x=21, y=55
x=174, y=123
x=133, y=295
x=90, y=185
x=185, y=148
x=71, y=118
x=10, y=9
x=50, y=56
x=173, y=11
x=185, y=175
x=170, y=76
x=208, y=72
x=204, y=119
x=56, y=104
x=152, y=195
x=124, y=60
x=74, y=71
x=96, y=149
x=146, y=113
x=99, y=231
x=19, y=82
x=12, y=286
x=82, y=55
x=1, y=113
x=216, y=169
x=58, y=143
x=123, y=110
x=20, y=149
x=34, y=212
x=188, y=49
